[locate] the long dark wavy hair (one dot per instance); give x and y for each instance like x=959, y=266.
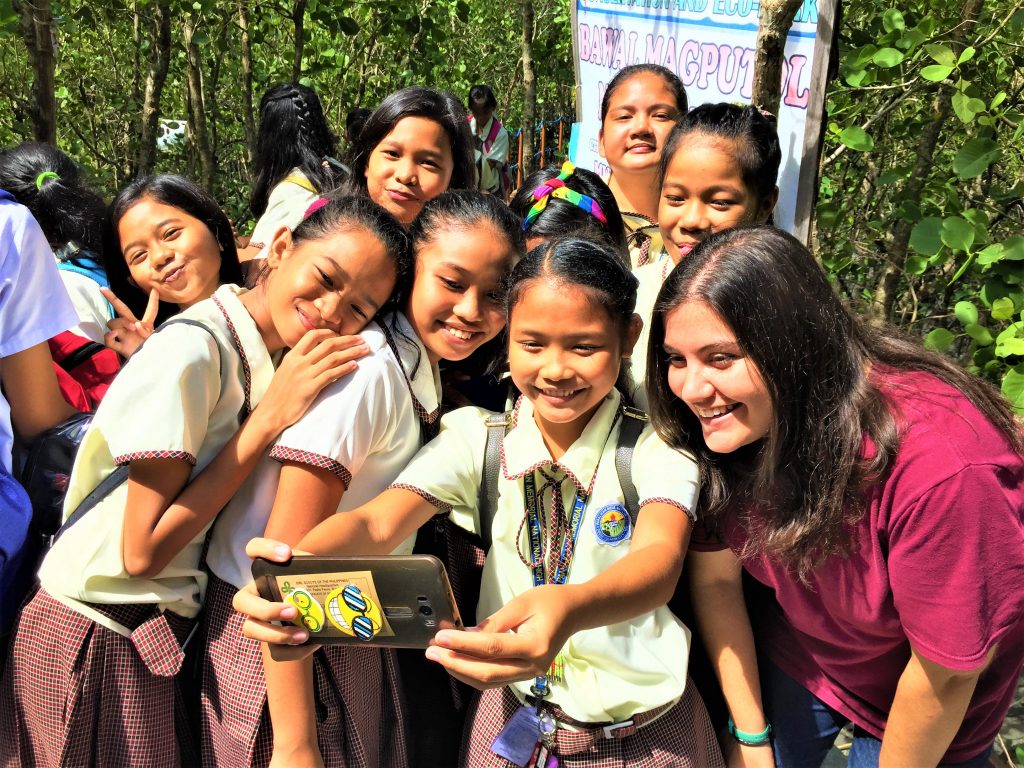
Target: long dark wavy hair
x=818, y=362
x=293, y=133
x=416, y=101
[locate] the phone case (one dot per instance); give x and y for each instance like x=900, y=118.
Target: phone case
x=398, y=601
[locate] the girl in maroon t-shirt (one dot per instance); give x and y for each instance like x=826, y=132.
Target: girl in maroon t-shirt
x=876, y=488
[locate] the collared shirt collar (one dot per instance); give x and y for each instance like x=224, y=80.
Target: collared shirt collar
x=257, y=364
x=422, y=376
x=523, y=448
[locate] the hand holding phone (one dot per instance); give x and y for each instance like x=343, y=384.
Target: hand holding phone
x=398, y=601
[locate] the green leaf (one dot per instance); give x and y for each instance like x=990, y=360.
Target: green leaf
x=982, y=336
x=967, y=107
x=975, y=157
x=925, y=238
x=1002, y=309
x=862, y=56
x=966, y=312
x=857, y=138
x=943, y=54
x=967, y=55
x=1013, y=248
x=892, y=20
x=856, y=77
x=998, y=99
x=1012, y=332
x=1010, y=348
x=936, y=72
x=990, y=254
x=887, y=58
x=348, y=25
x=916, y=265
x=1013, y=390
x=910, y=40
x=938, y=340
x=957, y=233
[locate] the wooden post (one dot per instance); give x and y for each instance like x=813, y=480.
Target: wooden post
x=561, y=127
x=519, y=162
x=543, y=132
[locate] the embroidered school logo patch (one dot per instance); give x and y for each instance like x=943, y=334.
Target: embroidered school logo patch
x=611, y=524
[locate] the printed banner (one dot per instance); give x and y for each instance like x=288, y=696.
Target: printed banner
x=710, y=45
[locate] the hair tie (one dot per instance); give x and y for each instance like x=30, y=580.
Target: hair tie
x=315, y=206
x=45, y=176
x=556, y=188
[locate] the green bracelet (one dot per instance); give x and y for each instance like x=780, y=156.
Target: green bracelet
x=760, y=739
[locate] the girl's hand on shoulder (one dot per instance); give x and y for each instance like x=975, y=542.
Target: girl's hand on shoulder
x=127, y=332
x=320, y=358
x=260, y=613
x=518, y=642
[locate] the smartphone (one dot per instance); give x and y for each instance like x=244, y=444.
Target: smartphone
x=398, y=601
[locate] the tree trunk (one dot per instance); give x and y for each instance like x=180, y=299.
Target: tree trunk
x=299, y=17
x=881, y=308
x=248, y=114
x=40, y=41
x=529, y=89
x=159, y=61
x=196, y=105
x=776, y=19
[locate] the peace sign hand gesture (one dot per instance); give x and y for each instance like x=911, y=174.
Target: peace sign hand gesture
x=127, y=332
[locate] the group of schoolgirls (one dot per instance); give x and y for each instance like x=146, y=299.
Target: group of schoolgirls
x=815, y=440
x=579, y=660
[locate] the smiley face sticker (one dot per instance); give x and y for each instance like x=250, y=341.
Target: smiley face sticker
x=354, y=613
x=311, y=613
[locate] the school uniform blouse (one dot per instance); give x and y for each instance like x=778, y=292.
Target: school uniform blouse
x=33, y=303
x=650, y=277
x=364, y=428
x=612, y=672
x=286, y=206
x=178, y=397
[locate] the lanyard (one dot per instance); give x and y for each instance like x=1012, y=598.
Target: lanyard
x=561, y=571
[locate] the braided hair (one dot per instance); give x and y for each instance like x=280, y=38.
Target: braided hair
x=293, y=134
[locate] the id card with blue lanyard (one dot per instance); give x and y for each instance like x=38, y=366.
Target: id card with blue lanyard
x=528, y=738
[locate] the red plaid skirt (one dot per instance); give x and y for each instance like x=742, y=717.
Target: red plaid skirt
x=77, y=694
x=680, y=738
x=360, y=718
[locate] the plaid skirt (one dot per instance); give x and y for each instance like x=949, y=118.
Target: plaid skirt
x=360, y=717
x=77, y=694
x=680, y=738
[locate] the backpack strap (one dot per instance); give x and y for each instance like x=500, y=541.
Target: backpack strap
x=110, y=482
x=120, y=474
x=497, y=426
x=492, y=134
x=633, y=423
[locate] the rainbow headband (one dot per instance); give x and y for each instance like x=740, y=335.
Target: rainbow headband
x=556, y=188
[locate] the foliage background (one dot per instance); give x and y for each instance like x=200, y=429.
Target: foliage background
x=920, y=210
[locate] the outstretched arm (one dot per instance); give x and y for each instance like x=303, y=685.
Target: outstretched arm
x=519, y=641
x=375, y=528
